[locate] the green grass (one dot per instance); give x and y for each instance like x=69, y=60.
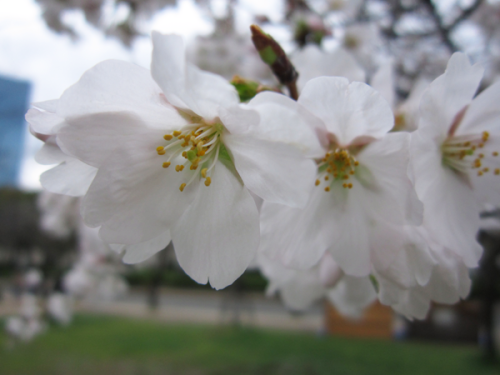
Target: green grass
x=105, y=345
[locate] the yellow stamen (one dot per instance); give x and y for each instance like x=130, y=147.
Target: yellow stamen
x=181, y=188
x=327, y=188
x=494, y=153
x=166, y=164
x=161, y=152
x=208, y=181
x=168, y=137
x=204, y=172
x=184, y=153
x=497, y=171
x=176, y=133
x=326, y=178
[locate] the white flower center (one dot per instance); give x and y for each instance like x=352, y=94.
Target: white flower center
x=199, y=143
x=337, y=166
x=463, y=153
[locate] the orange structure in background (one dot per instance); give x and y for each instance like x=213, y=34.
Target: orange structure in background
x=376, y=322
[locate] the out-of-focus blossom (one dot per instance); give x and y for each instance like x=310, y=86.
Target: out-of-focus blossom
x=312, y=62
x=59, y=308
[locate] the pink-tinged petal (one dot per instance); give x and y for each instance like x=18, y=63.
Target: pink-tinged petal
x=312, y=62
x=448, y=94
x=71, y=177
x=276, y=172
x=284, y=120
x=140, y=252
x=114, y=86
x=238, y=119
x=183, y=84
x=389, y=191
x=218, y=235
x=43, y=122
x=349, y=111
x=93, y=138
x=352, y=295
x=350, y=230
x=483, y=114
x=133, y=198
x=296, y=237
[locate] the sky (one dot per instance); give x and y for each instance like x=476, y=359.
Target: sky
x=52, y=62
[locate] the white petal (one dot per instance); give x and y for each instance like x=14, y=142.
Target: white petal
x=93, y=138
x=448, y=94
x=218, y=235
x=298, y=237
x=390, y=194
x=351, y=247
x=50, y=153
x=48, y=105
x=185, y=85
x=349, y=111
x=274, y=171
x=133, y=198
x=238, y=119
x=451, y=214
x=383, y=82
x=43, y=122
x=352, y=295
x=483, y=113
x=72, y=177
x=113, y=86
x=284, y=120
x=142, y=251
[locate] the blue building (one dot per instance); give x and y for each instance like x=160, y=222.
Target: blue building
x=14, y=96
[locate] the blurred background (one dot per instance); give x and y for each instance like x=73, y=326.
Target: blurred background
x=68, y=304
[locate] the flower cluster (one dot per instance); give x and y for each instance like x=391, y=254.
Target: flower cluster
x=322, y=192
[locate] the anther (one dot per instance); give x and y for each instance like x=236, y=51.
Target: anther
x=326, y=178
x=184, y=153
x=327, y=188
x=176, y=133
x=166, y=164
x=168, y=137
x=486, y=170
x=480, y=173
x=494, y=153
x=208, y=181
x=497, y=171
x=349, y=186
x=179, y=168
x=204, y=172
x=181, y=188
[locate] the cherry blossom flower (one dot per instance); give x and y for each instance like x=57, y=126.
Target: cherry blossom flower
x=362, y=179
x=175, y=160
x=455, y=156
